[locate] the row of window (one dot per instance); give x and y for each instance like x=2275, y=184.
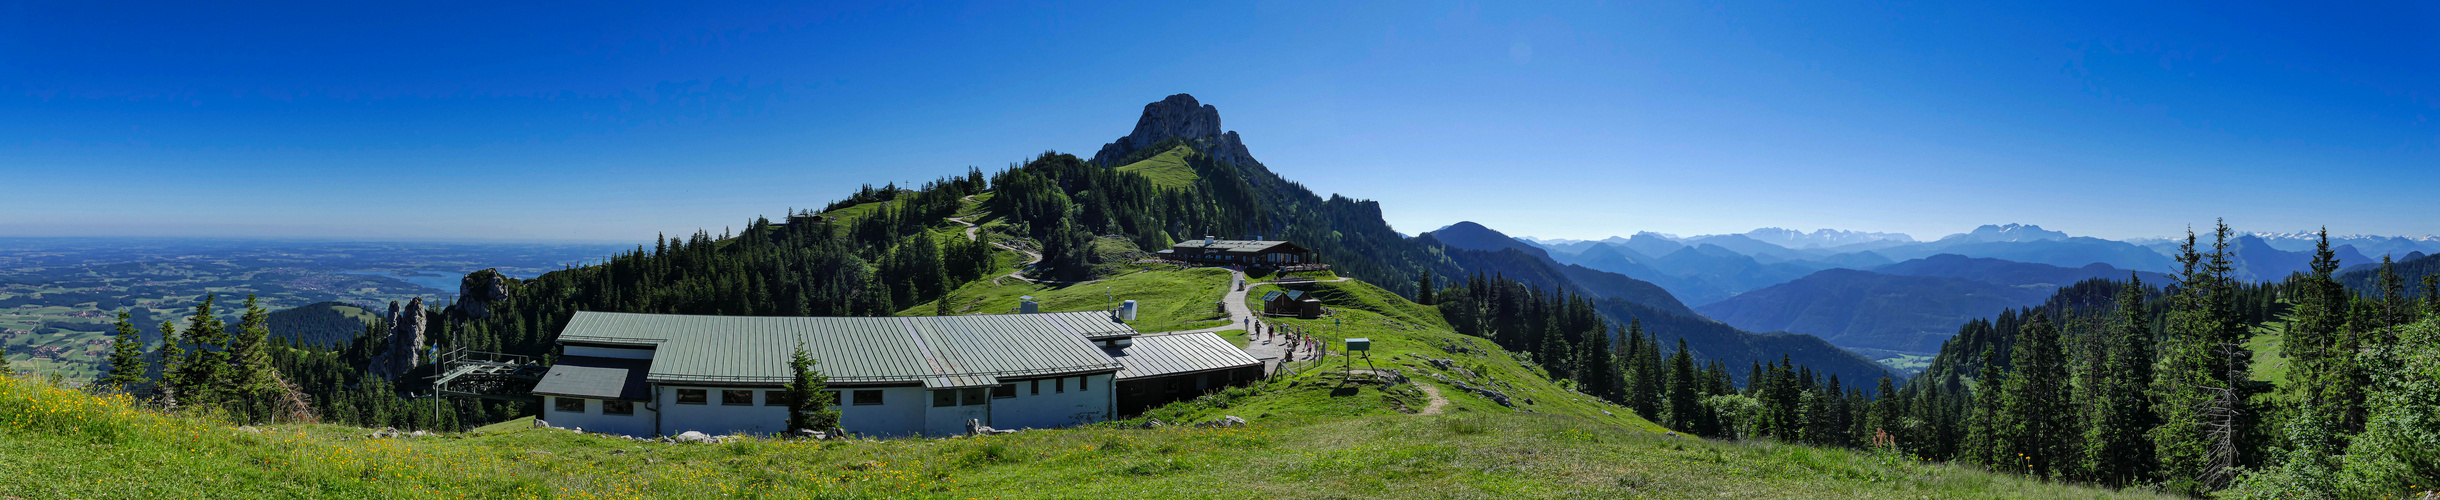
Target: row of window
x=745, y=397
x=573, y=405
x=974, y=396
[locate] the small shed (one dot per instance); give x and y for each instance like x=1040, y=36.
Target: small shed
x=1296, y=303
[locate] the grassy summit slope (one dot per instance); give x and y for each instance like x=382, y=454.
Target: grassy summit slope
x=1166, y=300
x=1167, y=170
x=1317, y=433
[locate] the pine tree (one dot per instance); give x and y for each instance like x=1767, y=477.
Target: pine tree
x=2036, y=420
x=808, y=396
x=2118, y=413
x=126, y=356
x=1423, y=287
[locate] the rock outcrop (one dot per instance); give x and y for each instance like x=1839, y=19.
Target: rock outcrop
x=400, y=352
x=478, y=290
x=1179, y=117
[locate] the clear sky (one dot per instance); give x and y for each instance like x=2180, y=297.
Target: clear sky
x=587, y=121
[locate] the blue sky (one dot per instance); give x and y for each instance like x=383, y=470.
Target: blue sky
x=582, y=121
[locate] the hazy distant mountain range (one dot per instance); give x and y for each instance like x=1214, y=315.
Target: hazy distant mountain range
x=2264, y=256
x=1908, y=307
x=1888, y=292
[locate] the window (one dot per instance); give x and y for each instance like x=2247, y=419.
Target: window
x=970, y=396
x=1135, y=390
x=775, y=398
x=1037, y=387
x=834, y=398
x=571, y=405
x=868, y=398
x=1059, y=384
x=944, y=398
x=1081, y=380
x=618, y=407
x=691, y=396
x=1004, y=391
x=737, y=397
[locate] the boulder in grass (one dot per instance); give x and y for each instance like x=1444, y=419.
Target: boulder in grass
x=1230, y=421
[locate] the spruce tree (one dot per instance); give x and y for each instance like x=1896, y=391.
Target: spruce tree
x=2204, y=374
x=200, y=372
x=1886, y=409
x=1596, y=370
x=252, y=384
x=1649, y=383
x=126, y=356
x=1682, y=403
x=2313, y=326
x=1423, y=287
x=1554, y=354
x=2036, y=418
x=1984, y=439
x=2115, y=451
x=808, y=398
x=173, y=370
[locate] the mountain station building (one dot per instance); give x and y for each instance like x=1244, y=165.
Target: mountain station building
x=1211, y=251
x=660, y=375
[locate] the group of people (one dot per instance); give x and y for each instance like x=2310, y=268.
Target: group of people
x=1297, y=341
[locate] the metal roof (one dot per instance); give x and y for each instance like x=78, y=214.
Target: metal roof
x=596, y=378
x=1274, y=294
x=1158, y=355
x=1236, y=246
x=937, y=351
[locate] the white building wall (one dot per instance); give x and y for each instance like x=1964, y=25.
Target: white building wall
x=606, y=352
x=900, y=414
x=593, y=420
x=951, y=420
x=904, y=412
x=716, y=419
x=1051, y=408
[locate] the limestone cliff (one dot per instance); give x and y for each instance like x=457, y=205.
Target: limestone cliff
x=1179, y=117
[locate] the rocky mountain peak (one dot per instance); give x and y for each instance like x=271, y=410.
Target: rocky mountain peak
x=1179, y=117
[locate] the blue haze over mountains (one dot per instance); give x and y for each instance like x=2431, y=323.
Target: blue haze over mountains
x=1888, y=294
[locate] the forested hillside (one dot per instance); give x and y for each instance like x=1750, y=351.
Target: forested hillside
x=2205, y=384
x=325, y=323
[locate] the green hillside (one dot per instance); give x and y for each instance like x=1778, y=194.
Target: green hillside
x=322, y=323
x=857, y=211
x=1167, y=170
x=1165, y=300
x=1318, y=431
